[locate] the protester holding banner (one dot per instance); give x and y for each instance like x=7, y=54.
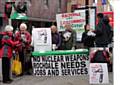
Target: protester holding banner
x=88, y=37
x=24, y=36
x=56, y=38
x=69, y=38
x=6, y=52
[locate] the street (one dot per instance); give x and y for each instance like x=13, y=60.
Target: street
x=67, y=80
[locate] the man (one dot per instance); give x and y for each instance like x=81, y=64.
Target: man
x=102, y=31
x=69, y=38
x=56, y=39
x=24, y=36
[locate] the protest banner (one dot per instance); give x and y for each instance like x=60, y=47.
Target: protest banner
x=92, y=15
x=60, y=63
x=98, y=73
x=77, y=20
x=92, y=18
x=41, y=39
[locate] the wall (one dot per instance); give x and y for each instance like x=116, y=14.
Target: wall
x=39, y=10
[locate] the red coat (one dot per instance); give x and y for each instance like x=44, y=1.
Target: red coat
x=28, y=39
x=8, y=45
x=1, y=33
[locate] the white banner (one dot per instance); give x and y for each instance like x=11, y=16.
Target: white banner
x=41, y=39
x=92, y=18
x=77, y=20
x=61, y=65
x=98, y=73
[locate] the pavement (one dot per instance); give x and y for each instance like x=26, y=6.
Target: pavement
x=57, y=80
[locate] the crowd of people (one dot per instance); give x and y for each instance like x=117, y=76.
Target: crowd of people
x=20, y=42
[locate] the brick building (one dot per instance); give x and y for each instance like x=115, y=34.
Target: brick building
x=46, y=9
x=41, y=12
x=99, y=4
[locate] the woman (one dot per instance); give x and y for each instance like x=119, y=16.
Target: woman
x=6, y=52
x=88, y=37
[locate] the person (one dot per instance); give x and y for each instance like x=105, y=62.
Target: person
x=69, y=38
x=109, y=29
x=102, y=31
x=88, y=37
x=21, y=6
x=24, y=36
x=102, y=55
x=56, y=38
x=6, y=52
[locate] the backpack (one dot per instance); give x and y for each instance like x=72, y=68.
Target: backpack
x=101, y=56
x=1, y=36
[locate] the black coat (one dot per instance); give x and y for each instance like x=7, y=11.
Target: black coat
x=103, y=34
x=88, y=41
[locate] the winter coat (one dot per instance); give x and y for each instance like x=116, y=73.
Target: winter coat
x=88, y=41
x=8, y=45
x=69, y=39
x=26, y=43
x=103, y=34
x=56, y=39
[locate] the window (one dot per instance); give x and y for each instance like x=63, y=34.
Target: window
x=46, y=3
x=59, y=6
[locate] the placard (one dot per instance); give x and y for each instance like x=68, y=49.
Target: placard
x=41, y=39
x=98, y=73
x=77, y=20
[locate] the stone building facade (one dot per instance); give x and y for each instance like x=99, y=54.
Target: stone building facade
x=47, y=9
x=43, y=9
x=40, y=12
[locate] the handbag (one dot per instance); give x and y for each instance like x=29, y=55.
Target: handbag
x=16, y=66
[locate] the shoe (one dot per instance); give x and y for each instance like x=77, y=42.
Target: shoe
x=10, y=80
x=7, y=82
x=28, y=73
